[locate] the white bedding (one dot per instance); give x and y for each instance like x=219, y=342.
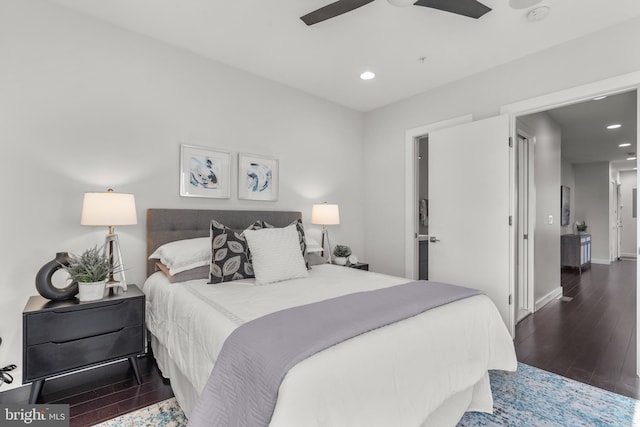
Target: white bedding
x=401, y=373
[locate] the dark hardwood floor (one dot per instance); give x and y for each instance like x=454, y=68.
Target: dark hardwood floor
x=100, y=394
x=592, y=338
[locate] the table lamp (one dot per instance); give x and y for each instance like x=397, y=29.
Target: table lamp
x=325, y=214
x=110, y=209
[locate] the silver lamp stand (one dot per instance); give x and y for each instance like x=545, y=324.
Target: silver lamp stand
x=112, y=246
x=325, y=235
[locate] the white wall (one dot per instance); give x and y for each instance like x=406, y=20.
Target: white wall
x=547, y=166
x=568, y=179
x=85, y=106
x=592, y=206
x=628, y=181
x=577, y=62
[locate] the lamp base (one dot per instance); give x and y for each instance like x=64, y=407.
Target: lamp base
x=325, y=236
x=112, y=247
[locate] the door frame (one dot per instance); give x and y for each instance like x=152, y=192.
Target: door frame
x=411, y=188
x=522, y=131
x=610, y=86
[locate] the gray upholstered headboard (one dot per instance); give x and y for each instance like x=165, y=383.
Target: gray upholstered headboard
x=168, y=225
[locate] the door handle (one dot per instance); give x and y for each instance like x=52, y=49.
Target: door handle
x=433, y=239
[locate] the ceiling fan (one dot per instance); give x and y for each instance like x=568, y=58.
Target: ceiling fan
x=470, y=8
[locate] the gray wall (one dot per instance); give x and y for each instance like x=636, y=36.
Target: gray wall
x=547, y=166
x=86, y=106
x=592, y=206
x=577, y=62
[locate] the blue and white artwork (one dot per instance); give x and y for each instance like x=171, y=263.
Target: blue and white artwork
x=205, y=172
x=257, y=177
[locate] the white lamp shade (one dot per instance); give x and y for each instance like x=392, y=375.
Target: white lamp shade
x=108, y=209
x=325, y=214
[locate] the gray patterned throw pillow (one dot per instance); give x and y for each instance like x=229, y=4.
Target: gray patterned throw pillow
x=229, y=254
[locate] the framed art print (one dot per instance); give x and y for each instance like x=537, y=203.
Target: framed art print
x=258, y=177
x=204, y=172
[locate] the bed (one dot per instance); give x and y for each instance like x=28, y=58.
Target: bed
x=426, y=370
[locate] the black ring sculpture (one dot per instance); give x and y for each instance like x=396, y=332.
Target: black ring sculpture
x=43, y=279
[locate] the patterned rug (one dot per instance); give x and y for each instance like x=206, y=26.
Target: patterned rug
x=526, y=398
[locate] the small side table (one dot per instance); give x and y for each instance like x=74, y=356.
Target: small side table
x=359, y=266
x=65, y=336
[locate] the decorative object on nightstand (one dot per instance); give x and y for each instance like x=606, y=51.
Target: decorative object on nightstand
x=352, y=259
x=325, y=214
x=45, y=274
x=65, y=336
x=359, y=266
x=90, y=271
x=110, y=209
x=341, y=252
x=581, y=227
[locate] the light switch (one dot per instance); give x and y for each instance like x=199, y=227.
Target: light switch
x=550, y=219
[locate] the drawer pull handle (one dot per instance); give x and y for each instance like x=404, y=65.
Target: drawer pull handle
x=90, y=336
x=109, y=306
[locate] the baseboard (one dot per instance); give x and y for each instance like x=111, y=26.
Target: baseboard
x=600, y=261
x=628, y=255
x=557, y=292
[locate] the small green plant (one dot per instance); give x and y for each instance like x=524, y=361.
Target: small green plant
x=581, y=226
x=91, y=266
x=342, y=251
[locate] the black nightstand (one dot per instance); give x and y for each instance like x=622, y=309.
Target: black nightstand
x=359, y=266
x=64, y=336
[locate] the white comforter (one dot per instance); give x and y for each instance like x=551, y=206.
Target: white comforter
x=401, y=372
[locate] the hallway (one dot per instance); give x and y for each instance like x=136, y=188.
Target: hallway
x=591, y=338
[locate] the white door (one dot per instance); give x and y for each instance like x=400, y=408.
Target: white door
x=469, y=208
x=524, y=232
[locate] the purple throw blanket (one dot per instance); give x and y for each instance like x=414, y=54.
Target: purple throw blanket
x=243, y=387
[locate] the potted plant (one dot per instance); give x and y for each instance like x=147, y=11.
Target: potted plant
x=90, y=270
x=341, y=252
x=581, y=226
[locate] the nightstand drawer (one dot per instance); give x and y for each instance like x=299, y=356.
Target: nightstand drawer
x=61, y=326
x=52, y=358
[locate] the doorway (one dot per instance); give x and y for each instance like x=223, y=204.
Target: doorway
x=587, y=334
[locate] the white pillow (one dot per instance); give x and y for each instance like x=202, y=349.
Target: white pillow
x=275, y=254
x=183, y=255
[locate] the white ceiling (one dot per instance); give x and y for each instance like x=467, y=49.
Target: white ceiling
x=267, y=38
x=585, y=137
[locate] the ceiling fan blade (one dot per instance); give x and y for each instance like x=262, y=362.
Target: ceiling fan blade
x=332, y=10
x=470, y=8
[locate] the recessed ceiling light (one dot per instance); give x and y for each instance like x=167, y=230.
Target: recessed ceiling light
x=616, y=126
x=624, y=144
x=598, y=98
x=367, y=75
x=538, y=14
x=631, y=158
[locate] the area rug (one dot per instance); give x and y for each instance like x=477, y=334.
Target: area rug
x=526, y=398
